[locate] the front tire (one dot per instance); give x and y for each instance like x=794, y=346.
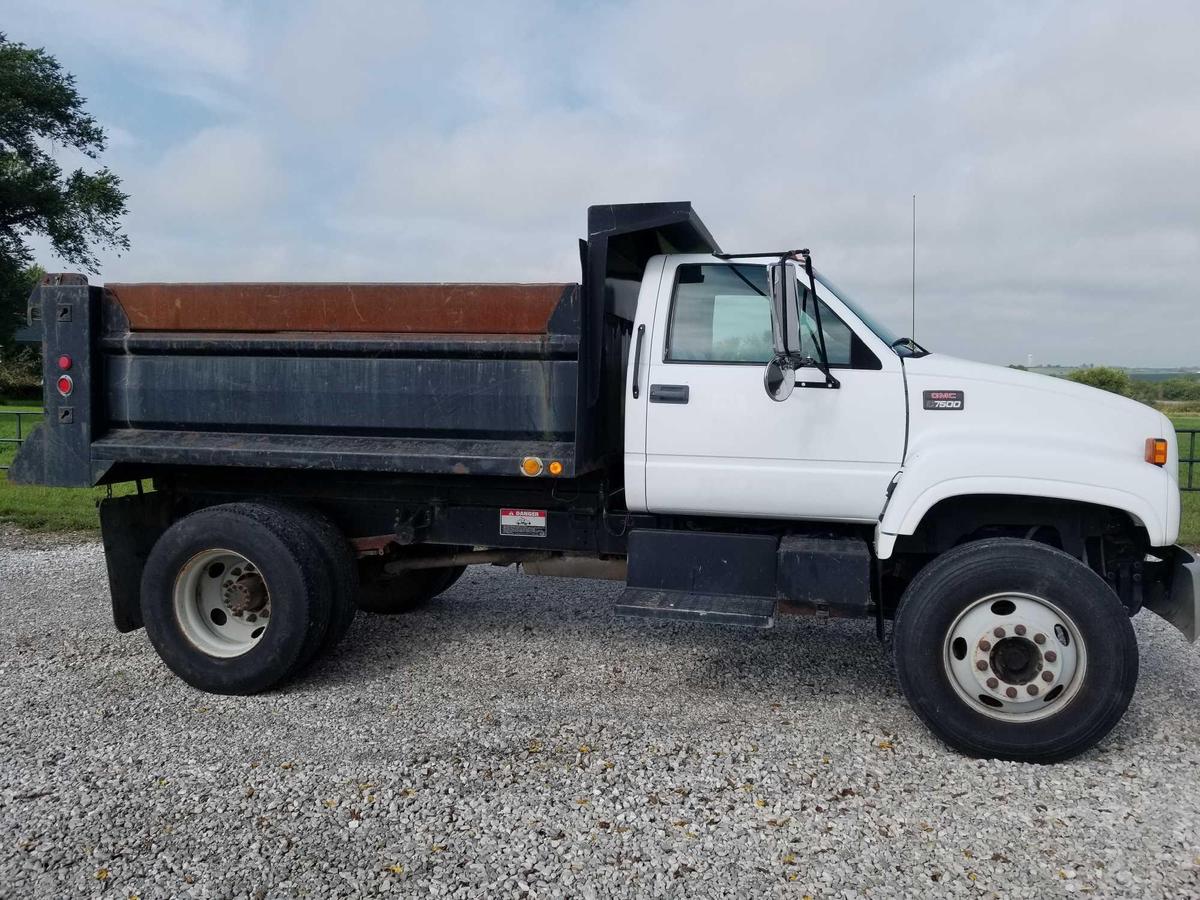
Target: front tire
x=1014, y=650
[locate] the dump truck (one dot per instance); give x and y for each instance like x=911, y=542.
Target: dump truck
x=730, y=435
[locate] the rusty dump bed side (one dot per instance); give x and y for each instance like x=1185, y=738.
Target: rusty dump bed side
x=355, y=308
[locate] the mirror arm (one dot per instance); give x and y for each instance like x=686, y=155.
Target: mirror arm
x=779, y=377
x=823, y=362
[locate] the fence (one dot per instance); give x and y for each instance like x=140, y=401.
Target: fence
x=14, y=428
x=1189, y=444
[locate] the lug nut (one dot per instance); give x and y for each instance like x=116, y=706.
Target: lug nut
x=998, y=632
x=1033, y=690
x=1039, y=638
x=985, y=645
x=993, y=683
x=1011, y=692
x=1047, y=676
x=981, y=665
x=1051, y=656
x=1020, y=629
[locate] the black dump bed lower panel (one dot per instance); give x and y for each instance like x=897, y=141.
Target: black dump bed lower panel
x=460, y=398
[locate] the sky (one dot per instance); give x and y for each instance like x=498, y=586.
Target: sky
x=1054, y=148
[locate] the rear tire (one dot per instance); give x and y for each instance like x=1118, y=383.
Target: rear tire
x=1014, y=650
x=233, y=597
x=404, y=593
x=329, y=542
x=345, y=580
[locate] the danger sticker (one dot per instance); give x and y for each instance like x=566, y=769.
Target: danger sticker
x=523, y=522
x=944, y=400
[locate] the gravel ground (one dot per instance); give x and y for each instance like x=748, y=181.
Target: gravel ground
x=515, y=739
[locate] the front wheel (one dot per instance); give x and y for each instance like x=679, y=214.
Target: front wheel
x=1014, y=650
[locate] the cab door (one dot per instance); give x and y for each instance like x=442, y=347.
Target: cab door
x=716, y=444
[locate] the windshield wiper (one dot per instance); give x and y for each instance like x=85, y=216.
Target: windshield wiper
x=917, y=349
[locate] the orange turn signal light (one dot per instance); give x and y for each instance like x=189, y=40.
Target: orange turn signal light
x=1156, y=451
x=531, y=466
x=555, y=467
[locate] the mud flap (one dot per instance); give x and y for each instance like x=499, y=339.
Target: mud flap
x=1179, y=604
x=130, y=526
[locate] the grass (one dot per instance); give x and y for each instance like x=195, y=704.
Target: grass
x=44, y=508
x=71, y=509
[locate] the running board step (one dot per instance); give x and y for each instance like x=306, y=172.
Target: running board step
x=684, y=606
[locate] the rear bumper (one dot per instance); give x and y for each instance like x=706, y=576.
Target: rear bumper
x=1179, y=603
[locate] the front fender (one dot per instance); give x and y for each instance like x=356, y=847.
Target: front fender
x=1063, y=472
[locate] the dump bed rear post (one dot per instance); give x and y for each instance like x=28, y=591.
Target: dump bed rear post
x=58, y=453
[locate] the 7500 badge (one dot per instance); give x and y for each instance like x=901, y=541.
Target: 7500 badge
x=943, y=399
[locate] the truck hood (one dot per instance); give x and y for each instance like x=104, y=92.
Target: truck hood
x=1006, y=431
x=1039, y=389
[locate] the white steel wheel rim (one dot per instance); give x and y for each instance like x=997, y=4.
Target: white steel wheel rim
x=1015, y=657
x=222, y=603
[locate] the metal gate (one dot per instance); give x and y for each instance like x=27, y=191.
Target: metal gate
x=15, y=426
x=1188, y=445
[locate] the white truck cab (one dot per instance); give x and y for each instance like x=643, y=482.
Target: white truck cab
x=904, y=430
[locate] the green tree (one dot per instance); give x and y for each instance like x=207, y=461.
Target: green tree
x=77, y=212
x=1146, y=391
x=1106, y=378
x=1181, y=389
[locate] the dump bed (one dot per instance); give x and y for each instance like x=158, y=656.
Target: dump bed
x=392, y=378
x=398, y=378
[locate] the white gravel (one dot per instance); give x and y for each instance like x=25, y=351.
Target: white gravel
x=515, y=739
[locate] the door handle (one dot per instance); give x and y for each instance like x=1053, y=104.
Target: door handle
x=637, y=361
x=668, y=393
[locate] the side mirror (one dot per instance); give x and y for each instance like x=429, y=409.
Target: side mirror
x=782, y=280
x=779, y=379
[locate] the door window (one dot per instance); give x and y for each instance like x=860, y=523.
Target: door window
x=722, y=314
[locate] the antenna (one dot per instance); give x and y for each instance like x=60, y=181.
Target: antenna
x=913, y=333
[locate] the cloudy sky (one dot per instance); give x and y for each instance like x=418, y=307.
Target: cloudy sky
x=1054, y=147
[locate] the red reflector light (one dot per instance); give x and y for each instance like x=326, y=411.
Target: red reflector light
x=64, y=362
x=65, y=385
x=1156, y=451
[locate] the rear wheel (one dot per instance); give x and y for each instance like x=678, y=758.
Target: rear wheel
x=329, y=542
x=1011, y=649
x=408, y=591
x=234, y=597
x=344, y=572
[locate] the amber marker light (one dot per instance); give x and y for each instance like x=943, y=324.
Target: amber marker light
x=531, y=466
x=1156, y=451
x=555, y=468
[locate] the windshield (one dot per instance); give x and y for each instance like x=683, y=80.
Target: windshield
x=880, y=330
